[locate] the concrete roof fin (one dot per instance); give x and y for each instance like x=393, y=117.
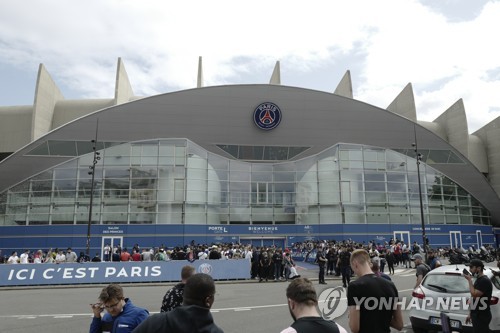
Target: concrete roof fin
x=123, y=89
x=276, y=77
x=199, y=80
x=47, y=94
x=404, y=104
x=454, y=122
x=344, y=87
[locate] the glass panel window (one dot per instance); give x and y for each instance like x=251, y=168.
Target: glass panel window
x=62, y=148
x=438, y=156
x=180, y=155
x=396, y=187
x=42, y=149
x=375, y=186
x=179, y=190
x=454, y=159
x=251, y=153
x=275, y=153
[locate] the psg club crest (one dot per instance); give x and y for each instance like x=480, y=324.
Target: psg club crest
x=267, y=116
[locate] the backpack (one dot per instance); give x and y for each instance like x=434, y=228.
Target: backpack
x=427, y=269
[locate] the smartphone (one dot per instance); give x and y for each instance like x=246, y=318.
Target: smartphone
x=466, y=272
x=98, y=306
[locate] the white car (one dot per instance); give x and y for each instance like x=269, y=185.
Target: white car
x=445, y=289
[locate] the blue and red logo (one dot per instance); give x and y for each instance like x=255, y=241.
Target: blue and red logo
x=267, y=116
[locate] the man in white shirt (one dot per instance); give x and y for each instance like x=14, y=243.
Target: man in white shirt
x=60, y=257
x=13, y=259
x=24, y=258
x=202, y=255
x=248, y=253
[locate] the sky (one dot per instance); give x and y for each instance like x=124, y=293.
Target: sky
x=447, y=49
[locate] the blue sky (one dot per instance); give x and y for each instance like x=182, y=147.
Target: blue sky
x=447, y=49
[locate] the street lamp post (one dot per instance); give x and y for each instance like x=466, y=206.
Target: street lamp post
x=96, y=158
x=418, y=157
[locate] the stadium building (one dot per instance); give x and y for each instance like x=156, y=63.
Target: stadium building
x=258, y=163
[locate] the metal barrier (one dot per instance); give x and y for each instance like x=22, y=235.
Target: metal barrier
x=109, y=272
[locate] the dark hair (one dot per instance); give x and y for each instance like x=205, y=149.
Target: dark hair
x=301, y=290
x=187, y=271
x=111, y=292
x=198, y=288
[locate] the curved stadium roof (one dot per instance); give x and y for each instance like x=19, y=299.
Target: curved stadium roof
x=223, y=115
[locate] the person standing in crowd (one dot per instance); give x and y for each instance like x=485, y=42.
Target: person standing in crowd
x=432, y=260
x=405, y=255
x=389, y=258
x=203, y=253
x=121, y=317
x=71, y=256
x=321, y=259
x=13, y=259
x=397, y=253
x=278, y=264
x=422, y=268
x=248, y=254
x=344, y=264
x=24, y=257
x=264, y=265
x=332, y=258
x=38, y=257
x=96, y=258
x=82, y=257
x=125, y=255
x=480, y=290
x=159, y=256
x=49, y=258
x=174, y=296
x=370, y=286
x=214, y=253
x=60, y=257
x=254, y=270
x=116, y=254
x=302, y=304
x=193, y=316
x=107, y=252
x=136, y=256
x=146, y=255
x=377, y=272
x=383, y=261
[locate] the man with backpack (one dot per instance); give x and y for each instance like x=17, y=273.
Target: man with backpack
x=422, y=268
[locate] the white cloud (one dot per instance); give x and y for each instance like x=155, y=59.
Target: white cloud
x=393, y=42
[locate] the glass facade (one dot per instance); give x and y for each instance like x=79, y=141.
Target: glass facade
x=174, y=181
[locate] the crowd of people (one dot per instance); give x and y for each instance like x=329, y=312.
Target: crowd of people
x=268, y=263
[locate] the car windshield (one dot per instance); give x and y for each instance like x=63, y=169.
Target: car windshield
x=446, y=283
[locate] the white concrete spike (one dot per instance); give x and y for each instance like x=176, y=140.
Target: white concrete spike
x=276, y=77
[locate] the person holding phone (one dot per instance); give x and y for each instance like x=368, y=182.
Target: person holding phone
x=481, y=290
x=121, y=315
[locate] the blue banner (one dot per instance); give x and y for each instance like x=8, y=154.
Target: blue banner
x=109, y=272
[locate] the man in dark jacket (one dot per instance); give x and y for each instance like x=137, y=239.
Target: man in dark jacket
x=122, y=316
x=193, y=316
